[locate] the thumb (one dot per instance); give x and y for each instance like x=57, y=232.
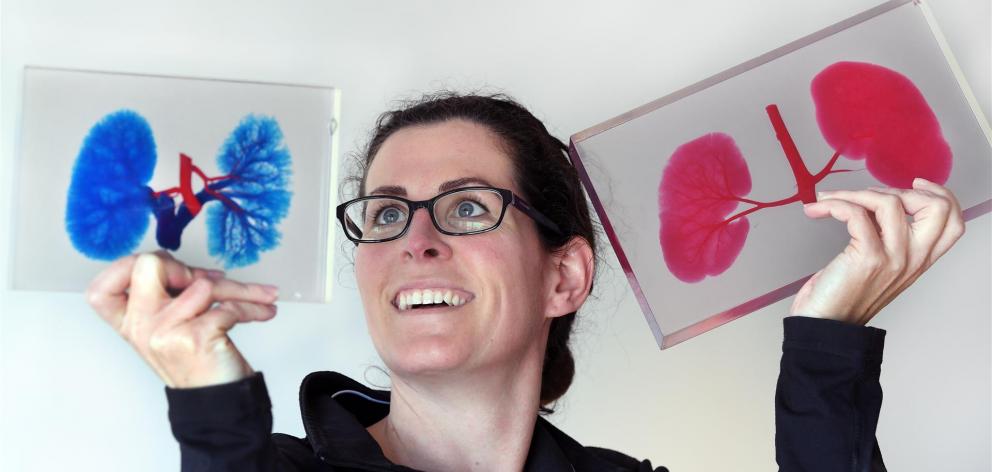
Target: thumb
x=147, y=292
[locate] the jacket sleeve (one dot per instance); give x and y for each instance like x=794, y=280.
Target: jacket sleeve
x=227, y=428
x=828, y=397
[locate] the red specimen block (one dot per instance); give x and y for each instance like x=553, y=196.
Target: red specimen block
x=866, y=111
x=700, y=187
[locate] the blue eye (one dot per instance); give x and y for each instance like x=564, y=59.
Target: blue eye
x=469, y=209
x=388, y=216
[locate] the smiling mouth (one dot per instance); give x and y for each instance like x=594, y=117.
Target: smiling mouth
x=431, y=298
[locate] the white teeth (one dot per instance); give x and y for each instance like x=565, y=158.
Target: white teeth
x=408, y=299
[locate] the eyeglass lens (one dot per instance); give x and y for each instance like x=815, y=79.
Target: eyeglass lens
x=461, y=212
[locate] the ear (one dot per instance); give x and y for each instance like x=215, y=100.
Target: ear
x=570, y=278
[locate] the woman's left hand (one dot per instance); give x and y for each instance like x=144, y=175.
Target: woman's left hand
x=886, y=253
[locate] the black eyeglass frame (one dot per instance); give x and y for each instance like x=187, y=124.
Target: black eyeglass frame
x=507, y=196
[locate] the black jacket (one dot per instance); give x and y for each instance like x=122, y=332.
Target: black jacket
x=826, y=409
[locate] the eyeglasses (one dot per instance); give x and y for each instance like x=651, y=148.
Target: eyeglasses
x=458, y=212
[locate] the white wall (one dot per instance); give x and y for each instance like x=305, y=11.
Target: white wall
x=74, y=396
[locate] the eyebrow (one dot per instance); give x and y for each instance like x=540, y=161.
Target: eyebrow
x=449, y=185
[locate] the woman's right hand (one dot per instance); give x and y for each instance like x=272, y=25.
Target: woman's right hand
x=177, y=317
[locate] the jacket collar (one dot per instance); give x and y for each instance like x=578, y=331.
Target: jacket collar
x=336, y=410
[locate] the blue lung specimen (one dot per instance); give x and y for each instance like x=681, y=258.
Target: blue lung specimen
x=259, y=168
x=109, y=201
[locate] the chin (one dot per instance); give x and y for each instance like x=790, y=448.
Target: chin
x=426, y=355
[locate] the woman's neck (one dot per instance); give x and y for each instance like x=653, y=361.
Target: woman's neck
x=478, y=421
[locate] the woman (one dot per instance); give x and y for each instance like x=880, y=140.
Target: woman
x=470, y=305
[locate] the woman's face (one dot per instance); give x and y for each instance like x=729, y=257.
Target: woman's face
x=499, y=274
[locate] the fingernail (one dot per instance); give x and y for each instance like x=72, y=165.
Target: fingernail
x=215, y=274
x=920, y=180
x=271, y=290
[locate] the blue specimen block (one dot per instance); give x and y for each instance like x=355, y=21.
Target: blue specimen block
x=259, y=168
x=109, y=201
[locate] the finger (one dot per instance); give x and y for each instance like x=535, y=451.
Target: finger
x=929, y=212
x=225, y=315
x=107, y=293
x=147, y=290
x=954, y=228
x=888, y=212
x=179, y=275
x=194, y=300
x=229, y=290
x=204, y=273
x=864, y=236
x=203, y=293
x=146, y=296
x=197, y=271
x=213, y=274
x=924, y=184
x=248, y=312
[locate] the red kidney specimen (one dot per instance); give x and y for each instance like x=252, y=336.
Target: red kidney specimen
x=869, y=112
x=701, y=185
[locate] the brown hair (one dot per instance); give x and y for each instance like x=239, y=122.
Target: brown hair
x=542, y=172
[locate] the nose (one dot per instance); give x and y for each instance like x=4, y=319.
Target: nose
x=423, y=241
